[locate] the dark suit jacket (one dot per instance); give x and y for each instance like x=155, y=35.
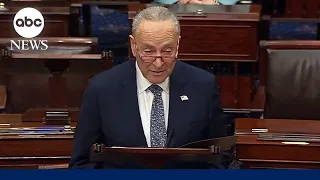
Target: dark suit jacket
x=110, y=112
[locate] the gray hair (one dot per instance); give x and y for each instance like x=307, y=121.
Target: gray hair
x=155, y=13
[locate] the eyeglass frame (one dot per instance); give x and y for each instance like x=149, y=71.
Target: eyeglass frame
x=173, y=56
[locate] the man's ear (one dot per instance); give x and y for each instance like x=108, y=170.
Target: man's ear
x=133, y=45
x=178, y=46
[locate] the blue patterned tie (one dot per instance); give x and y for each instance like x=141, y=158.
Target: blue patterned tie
x=158, y=132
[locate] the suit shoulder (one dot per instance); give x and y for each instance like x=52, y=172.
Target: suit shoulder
x=109, y=77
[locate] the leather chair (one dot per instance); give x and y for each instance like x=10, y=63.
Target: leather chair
x=293, y=84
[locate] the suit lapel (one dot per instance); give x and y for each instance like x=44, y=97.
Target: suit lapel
x=176, y=110
x=129, y=85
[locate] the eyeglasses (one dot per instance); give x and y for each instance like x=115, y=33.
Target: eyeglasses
x=167, y=57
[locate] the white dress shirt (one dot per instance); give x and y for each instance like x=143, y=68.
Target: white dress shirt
x=145, y=98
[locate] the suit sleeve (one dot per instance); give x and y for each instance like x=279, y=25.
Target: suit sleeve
x=216, y=116
x=217, y=126
x=87, y=131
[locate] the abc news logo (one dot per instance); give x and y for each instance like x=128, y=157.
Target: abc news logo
x=28, y=23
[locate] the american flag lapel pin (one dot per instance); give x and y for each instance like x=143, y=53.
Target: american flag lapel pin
x=184, y=98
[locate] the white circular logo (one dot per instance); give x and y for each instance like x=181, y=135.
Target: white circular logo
x=28, y=22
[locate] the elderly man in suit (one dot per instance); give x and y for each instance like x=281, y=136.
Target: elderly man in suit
x=140, y=102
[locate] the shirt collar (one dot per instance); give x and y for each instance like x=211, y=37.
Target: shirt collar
x=143, y=83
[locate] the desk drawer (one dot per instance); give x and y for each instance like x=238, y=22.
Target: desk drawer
x=217, y=40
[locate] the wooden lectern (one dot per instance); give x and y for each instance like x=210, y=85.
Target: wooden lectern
x=208, y=153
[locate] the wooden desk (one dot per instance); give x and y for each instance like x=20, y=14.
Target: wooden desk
x=3, y=97
x=57, y=81
x=224, y=34
x=51, y=83
x=33, y=152
x=278, y=153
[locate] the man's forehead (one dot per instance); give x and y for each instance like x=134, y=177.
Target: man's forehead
x=148, y=44
x=154, y=26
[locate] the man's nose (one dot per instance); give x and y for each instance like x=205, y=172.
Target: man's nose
x=158, y=62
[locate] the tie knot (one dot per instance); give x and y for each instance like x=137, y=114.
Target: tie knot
x=155, y=89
